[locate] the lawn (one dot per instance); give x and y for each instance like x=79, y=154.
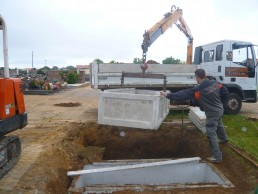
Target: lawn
x=177, y=114
x=242, y=131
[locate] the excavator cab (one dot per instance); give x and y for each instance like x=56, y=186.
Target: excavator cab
x=12, y=113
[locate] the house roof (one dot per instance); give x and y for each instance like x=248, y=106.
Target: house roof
x=82, y=66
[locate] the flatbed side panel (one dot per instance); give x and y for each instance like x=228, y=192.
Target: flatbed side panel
x=104, y=76
x=152, y=68
x=173, y=80
x=157, y=87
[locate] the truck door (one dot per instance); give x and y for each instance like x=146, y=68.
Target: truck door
x=213, y=60
x=242, y=69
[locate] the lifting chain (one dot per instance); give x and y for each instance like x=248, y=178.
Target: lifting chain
x=144, y=65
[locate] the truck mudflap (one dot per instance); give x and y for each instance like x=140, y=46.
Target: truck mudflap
x=10, y=151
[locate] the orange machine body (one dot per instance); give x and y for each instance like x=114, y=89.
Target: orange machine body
x=11, y=98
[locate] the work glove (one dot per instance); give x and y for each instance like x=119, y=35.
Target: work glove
x=164, y=93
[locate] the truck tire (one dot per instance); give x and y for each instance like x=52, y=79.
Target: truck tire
x=232, y=104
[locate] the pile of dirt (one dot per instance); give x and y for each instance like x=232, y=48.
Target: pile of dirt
x=68, y=104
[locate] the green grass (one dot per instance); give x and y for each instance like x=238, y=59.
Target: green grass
x=177, y=114
x=245, y=140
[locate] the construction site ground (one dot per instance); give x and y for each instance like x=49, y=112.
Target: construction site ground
x=62, y=135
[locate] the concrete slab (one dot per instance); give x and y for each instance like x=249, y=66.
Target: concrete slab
x=159, y=175
x=77, y=85
x=198, y=117
x=129, y=107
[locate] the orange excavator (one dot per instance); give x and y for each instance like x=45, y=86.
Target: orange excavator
x=170, y=18
x=12, y=112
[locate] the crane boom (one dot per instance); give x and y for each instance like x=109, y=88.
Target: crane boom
x=170, y=18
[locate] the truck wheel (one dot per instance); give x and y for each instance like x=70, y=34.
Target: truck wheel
x=232, y=104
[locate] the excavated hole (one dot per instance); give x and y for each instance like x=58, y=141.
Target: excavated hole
x=169, y=141
x=121, y=143
x=127, y=143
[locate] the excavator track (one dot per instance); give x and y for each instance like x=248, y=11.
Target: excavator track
x=10, y=151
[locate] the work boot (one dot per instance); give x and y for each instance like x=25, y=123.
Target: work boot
x=214, y=160
x=223, y=141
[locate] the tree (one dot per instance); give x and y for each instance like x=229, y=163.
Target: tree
x=55, y=68
x=72, y=77
x=112, y=61
x=137, y=60
x=152, y=62
x=41, y=72
x=22, y=72
x=70, y=67
x=46, y=68
x=99, y=61
x=116, y=62
x=171, y=60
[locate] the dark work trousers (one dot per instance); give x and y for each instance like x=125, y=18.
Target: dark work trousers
x=214, y=129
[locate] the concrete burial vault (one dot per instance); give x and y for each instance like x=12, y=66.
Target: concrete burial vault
x=129, y=107
x=152, y=174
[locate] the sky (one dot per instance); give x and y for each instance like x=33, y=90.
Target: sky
x=65, y=32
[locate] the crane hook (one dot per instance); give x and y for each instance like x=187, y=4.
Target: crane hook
x=173, y=8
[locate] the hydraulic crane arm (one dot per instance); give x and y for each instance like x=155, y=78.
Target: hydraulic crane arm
x=170, y=18
x=186, y=30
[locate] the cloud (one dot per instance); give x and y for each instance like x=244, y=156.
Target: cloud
x=65, y=32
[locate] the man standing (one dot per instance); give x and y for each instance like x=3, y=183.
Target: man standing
x=209, y=94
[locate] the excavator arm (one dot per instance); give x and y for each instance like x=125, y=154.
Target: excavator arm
x=170, y=18
x=12, y=112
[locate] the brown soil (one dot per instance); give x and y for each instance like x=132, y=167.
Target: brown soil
x=69, y=104
x=58, y=140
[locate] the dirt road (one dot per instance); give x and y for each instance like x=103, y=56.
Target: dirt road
x=47, y=127
x=250, y=109
x=58, y=139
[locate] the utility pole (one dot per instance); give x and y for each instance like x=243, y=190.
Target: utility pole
x=32, y=60
x=45, y=62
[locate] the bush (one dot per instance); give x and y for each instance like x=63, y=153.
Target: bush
x=34, y=84
x=171, y=60
x=72, y=77
x=40, y=71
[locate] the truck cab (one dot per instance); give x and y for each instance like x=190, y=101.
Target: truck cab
x=232, y=63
